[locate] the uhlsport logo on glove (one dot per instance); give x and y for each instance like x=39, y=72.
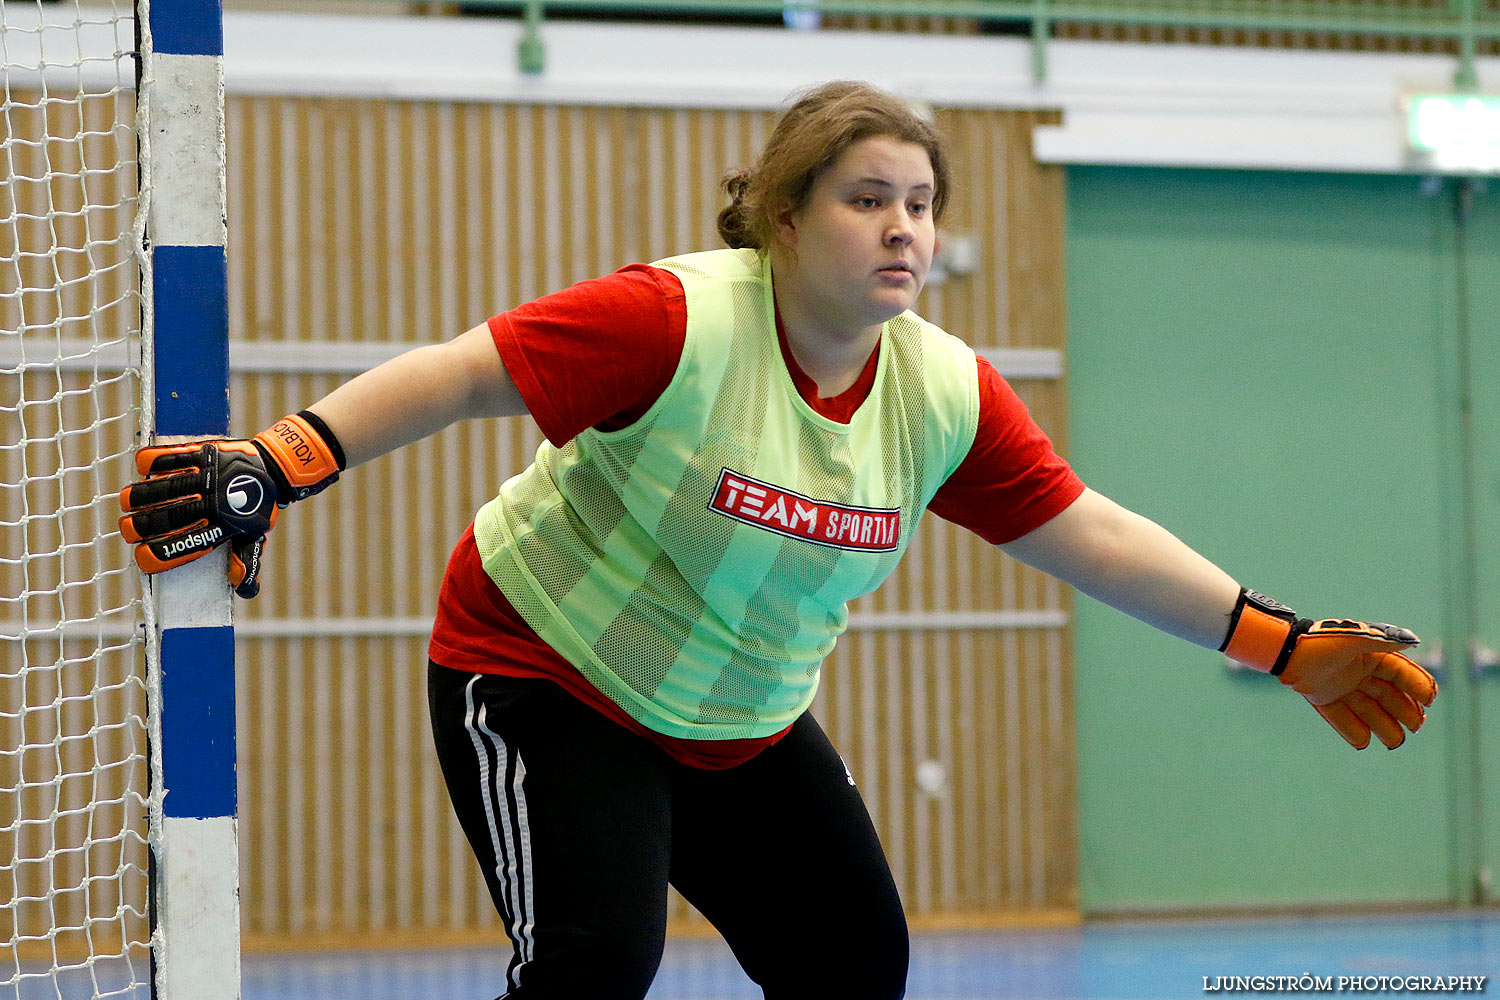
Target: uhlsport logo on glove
x=192, y=542
x=245, y=494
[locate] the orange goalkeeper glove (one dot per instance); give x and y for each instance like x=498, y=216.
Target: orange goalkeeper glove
x=1351, y=672
x=199, y=496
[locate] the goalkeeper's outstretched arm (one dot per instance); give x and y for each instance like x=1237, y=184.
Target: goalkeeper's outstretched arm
x=1135, y=565
x=1352, y=672
x=418, y=394
x=198, y=496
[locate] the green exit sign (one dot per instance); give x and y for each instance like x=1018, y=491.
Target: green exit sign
x=1454, y=132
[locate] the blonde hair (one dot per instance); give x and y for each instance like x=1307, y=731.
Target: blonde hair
x=808, y=139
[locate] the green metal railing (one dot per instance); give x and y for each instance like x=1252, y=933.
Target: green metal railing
x=1462, y=22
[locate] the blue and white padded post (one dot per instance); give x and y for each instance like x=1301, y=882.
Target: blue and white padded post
x=194, y=842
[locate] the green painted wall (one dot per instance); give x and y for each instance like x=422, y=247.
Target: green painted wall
x=1252, y=362
x=1484, y=321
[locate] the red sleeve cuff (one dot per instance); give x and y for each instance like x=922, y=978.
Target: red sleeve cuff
x=543, y=410
x=1012, y=481
x=1031, y=516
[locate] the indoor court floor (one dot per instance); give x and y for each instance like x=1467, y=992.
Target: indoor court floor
x=1107, y=960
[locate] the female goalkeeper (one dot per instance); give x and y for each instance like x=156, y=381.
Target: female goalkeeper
x=629, y=635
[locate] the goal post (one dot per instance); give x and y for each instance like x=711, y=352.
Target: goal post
x=118, y=844
x=190, y=638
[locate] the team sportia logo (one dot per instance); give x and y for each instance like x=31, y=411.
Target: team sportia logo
x=765, y=505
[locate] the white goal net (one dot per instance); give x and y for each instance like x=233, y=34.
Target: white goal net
x=74, y=896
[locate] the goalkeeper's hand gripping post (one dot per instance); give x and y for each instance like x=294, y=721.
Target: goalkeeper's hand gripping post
x=198, y=496
x=1353, y=673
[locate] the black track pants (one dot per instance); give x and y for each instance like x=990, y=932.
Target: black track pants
x=579, y=825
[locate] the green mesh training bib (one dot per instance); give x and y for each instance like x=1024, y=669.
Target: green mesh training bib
x=696, y=565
